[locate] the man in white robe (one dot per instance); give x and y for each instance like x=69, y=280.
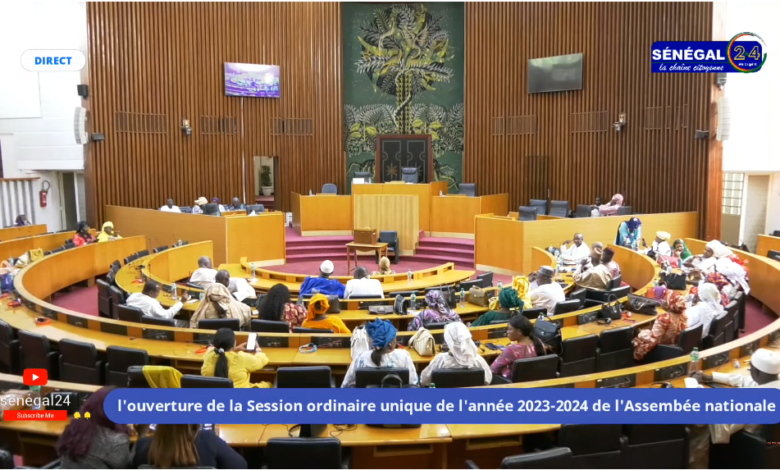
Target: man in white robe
x=205, y=275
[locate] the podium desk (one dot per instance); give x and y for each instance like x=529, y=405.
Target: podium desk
x=453, y=215
x=765, y=243
x=322, y=215
x=424, y=193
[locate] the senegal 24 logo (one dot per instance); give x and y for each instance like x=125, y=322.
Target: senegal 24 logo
x=748, y=59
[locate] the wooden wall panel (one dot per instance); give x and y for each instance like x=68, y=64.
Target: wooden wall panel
x=572, y=150
x=166, y=59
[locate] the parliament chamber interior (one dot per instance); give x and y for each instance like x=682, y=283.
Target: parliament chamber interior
x=347, y=195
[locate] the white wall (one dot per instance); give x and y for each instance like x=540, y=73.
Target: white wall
x=773, y=206
x=36, y=108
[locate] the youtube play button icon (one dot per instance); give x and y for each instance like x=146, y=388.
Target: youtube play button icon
x=35, y=377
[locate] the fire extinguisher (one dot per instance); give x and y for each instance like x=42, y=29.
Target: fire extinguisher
x=43, y=194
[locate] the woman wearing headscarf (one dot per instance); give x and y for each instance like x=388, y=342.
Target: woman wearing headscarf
x=463, y=354
x=734, y=272
x=680, y=250
x=383, y=353
x=612, y=207
x=384, y=267
x=509, y=303
x=318, y=317
x=523, y=287
x=713, y=251
x=219, y=303
x=82, y=236
x=107, y=233
x=437, y=311
x=666, y=329
x=723, y=285
x=706, y=308
x=629, y=233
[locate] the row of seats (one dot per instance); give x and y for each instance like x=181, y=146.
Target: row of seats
x=213, y=209
x=538, y=207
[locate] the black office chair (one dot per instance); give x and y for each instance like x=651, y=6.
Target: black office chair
x=469, y=189
x=363, y=174
x=198, y=381
x=329, y=188
x=391, y=238
x=583, y=210
x=732, y=322
x=528, y=213
x=616, y=349
x=690, y=338
x=596, y=298
x=129, y=259
x=533, y=313
x=662, y=352
x=593, y=445
x=69, y=245
x=136, y=377
x=104, y=298
x=579, y=294
x=304, y=452
x=772, y=254
x=457, y=378
x=625, y=210
x=466, y=285
x=268, y=326
x=118, y=360
x=256, y=208
x=578, y=355
x=129, y=314
x=36, y=353
x=717, y=333
x=211, y=209
x=487, y=279
x=141, y=254
x=540, y=204
x=217, y=323
x=314, y=331
x=567, y=306
x=304, y=377
x=148, y=320
x=557, y=457
x=435, y=325
x=559, y=208
x=372, y=377
x=160, y=248
x=57, y=250
x=749, y=450
x=615, y=282
x=535, y=368
x=9, y=350
x=776, y=233
x=740, y=297
x=656, y=446
x=185, y=209
x=115, y=266
x=79, y=363
x=409, y=175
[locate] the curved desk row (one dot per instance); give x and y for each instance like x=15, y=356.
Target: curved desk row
x=47, y=242
x=17, y=232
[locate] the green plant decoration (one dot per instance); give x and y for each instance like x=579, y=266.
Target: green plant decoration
x=265, y=176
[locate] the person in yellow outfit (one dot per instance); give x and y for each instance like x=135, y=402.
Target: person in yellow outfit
x=523, y=288
x=319, y=319
x=107, y=233
x=225, y=359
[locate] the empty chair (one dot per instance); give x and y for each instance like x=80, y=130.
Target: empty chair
x=616, y=282
x=409, y=175
x=268, y=326
x=130, y=258
x=160, y=248
x=487, y=279
x=749, y=450
x=559, y=208
x=625, y=210
x=148, y=320
x=315, y=331
x=185, y=209
x=372, y=377
x=772, y=254
x=57, y=250
x=593, y=445
x=455, y=378
x=656, y=446
x=740, y=297
x=557, y=457
x=776, y=233
x=732, y=321
x=580, y=295
x=217, y=323
x=662, y=352
x=330, y=188
x=104, y=298
x=578, y=355
x=540, y=204
x=35, y=352
x=303, y=452
x=197, y=381
x=9, y=349
x=616, y=350
x=435, y=326
x=211, y=209
x=535, y=368
x=363, y=174
x=129, y=314
x=118, y=360
x=304, y=377
x=136, y=378
x=115, y=266
x=79, y=363
x=533, y=313
x=528, y=213
x=141, y=254
x=566, y=307
x=717, y=334
x=391, y=238
x=469, y=189
x=583, y=210
x=466, y=285
x=256, y=208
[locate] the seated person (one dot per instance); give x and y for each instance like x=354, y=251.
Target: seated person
x=205, y=275
x=574, y=254
x=437, y=311
x=723, y=285
x=661, y=244
x=520, y=332
x=318, y=319
x=82, y=235
x=242, y=291
x=629, y=233
x=597, y=277
x=383, y=353
x=607, y=259
x=713, y=251
x=364, y=285
x=706, y=307
x=236, y=206
x=733, y=269
x=594, y=209
x=146, y=300
x=509, y=303
x=323, y=284
x=384, y=267
x=220, y=206
x=276, y=306
x=680, y=250
x=107, y=233
x=225, y=359
x=185, y=446
x=21, y=220
x=666, y=329
x=463, y=354
x=170, y=206
x=612, y=207
x=219, y=303
x=199, y=203
x=596, y=252
x=547, y=293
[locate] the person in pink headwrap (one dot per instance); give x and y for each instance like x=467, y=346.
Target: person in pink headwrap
x=612, y=206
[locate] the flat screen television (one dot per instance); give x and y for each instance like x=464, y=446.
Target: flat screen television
x=559, y=73
x=251, y=80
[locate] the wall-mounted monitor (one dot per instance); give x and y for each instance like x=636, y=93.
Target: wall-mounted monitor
x=559, y=73
x=251, y=80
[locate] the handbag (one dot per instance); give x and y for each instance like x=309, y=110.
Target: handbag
x=477, y=296
x=423, y=342
x=641, y=304
x=380, y=310
x=359, y=342
x=452, y=302
x=546, y=330
x=674, y=281
x=611, y=311
x=401, y=305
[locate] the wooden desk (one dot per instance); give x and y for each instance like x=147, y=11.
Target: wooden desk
x=17, y=232
x=353, y=248
x=453, y=216
x=329, y=214
x=765, y=243
x=17, y=247
x=424, y=192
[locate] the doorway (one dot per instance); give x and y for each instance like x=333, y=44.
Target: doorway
x=266, y=169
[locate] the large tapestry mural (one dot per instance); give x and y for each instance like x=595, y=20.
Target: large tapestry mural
x=403, y=74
